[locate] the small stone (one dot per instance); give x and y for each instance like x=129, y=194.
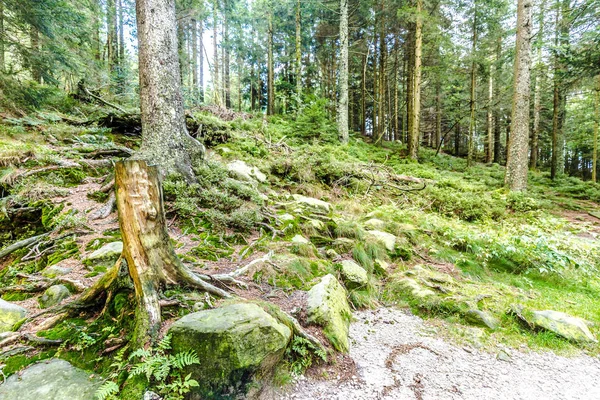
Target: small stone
x=503, y=355
x=353, y=274
x=387, y=239
x=286, y=217
x=53, y=295
x=299, y=239
x=374, y=223
x=381, y=266
x=480, y=317
x=316, y=204
x=55, y=270
x=331, y=253
x=246, y=172
x=109, y=251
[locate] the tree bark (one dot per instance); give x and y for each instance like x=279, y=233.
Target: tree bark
x=496, y=110
x=2, y=62
x=490, y=120
x=150, y=257
x=165, y=139
x=298, y=56
x=414, y=115
x=215, y=79
x=559, y=100
x=596, y=127
x=537, y=93
x=226, y=75
x=201, y=62
x=270, y=67
x=343, y=73
x=471, y=144
x=516, y=163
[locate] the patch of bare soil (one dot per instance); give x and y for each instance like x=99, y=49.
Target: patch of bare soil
x=399, y=356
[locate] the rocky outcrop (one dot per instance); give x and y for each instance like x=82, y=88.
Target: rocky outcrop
x=237, y=343
x=53, y=380
x=329, y=308
x=10, y=314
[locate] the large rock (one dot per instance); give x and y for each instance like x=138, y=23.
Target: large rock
x=110, y=251
x=311, y=202
x=329, y=308
x=53, y=295
x=565, y=325
x=562, y=324
x=52, y=380
x=387, y=239
x=299, y=239
x=10, y=314
x=353, y=274
x=235, y=343
x=246, y=172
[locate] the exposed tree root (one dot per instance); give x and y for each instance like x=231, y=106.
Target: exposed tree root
x=106, y=209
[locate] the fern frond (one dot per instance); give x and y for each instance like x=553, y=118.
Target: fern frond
x=106, y=390
x=182, y=360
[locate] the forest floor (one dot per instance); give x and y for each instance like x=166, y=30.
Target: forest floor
x=463, y=244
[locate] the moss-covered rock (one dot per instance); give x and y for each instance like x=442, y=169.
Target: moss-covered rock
x=312, y=203
x=479, y=317
x=55, y=379
x=55, y=270
x=245, y=172
x=328, y=307
x=110, y=252
x=10, y=314
x=374, y=223
x=565, y=325
x=236, y=343
x=53, y=295
x=387, y=239
x=353, y=274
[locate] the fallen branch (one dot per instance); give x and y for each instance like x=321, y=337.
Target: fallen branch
x=101, y=100
x=22, y=243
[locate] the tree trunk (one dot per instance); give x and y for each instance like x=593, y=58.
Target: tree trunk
x=2, y=37
x=596, y=126
x=121, y=34
x=413, y=142
x=200, y=62
x=471, y=144
x=438, y=113
x=363, y=92
x=226, y=76
x=537, y=93
x=194, y=33
x=496, y=109
x=112, y=36
x=343, y=73
x=490, y=121
x=516, y=163
x=559, y=101
x=457, y=140
x=270, y=67
x=150, y=257
x=215, y=78
x=396, y=94
x=165, y=139
x=298, y=57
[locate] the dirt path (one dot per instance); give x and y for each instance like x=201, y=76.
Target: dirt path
x=395, y=359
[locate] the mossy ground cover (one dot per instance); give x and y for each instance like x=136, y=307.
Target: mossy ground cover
x=499, y=248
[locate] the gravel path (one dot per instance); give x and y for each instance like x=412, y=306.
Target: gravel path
x=422, y=367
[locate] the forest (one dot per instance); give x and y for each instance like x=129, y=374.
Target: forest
x=303, y=199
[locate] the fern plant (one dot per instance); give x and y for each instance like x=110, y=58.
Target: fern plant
x=165, y=370
x=161, y=369
x=302, y=353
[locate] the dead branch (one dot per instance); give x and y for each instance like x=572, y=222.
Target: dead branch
x=22, y=243
x=101, y=100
